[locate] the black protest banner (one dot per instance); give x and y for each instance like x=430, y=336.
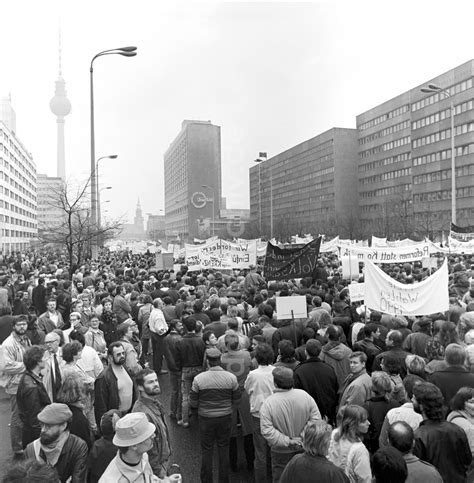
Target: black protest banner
x=286, y=263
x=465, y=233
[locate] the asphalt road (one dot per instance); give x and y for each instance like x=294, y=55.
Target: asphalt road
x=184, y=443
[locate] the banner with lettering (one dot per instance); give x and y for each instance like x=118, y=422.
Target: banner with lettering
x=457, y=246
x=384, y=294
x=286, y=263
x=387, y=254
x=221, y=255
x=462, y=233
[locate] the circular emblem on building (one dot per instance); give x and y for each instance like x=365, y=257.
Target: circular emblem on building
x=198, y=199
x=235, y=228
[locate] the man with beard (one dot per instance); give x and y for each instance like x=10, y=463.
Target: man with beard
x=148, y=403
x=437, y=441
x=114, y=388
x=57, y=447
x=14, y=348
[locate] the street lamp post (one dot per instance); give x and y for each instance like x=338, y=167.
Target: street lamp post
x=99, y=224
x=433, y=88
x=111, y=156
x=126, y=52
x=213, y=208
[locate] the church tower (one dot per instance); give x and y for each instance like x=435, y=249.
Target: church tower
x=138, y=222
x=60, y=107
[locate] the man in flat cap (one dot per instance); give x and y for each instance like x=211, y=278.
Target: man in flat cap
x=57, y=446
x=283, y=417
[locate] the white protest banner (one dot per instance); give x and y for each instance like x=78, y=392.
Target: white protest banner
x=221, y=254
x=378, y=242
x=350, y=267
x=291, y=307
x=356, y=292
x=387, y=254
x=456, y=246
x=384, y=294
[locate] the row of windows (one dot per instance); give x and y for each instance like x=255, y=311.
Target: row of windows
x=442, y=175
x=384, y=117
x=17, y=233
x=444, y=154
x=399, y=173
x=442, y=115
x=444, y=134
x=386, y=147
x=14, y=171
x=428, y=101
x=385, y=161
x=16, y=221
x=389, y=190
x=443, y=195
x=385, y=132
x=18, y=156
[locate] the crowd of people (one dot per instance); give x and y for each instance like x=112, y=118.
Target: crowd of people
x=347, y=394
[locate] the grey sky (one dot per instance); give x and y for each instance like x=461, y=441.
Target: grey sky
x=270, y=74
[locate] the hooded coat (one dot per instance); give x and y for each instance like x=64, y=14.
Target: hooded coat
x=336, y=354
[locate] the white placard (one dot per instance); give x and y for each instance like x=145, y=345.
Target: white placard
x=356, y=292
x=297, y=304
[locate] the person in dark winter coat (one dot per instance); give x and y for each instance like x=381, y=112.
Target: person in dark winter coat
x=31, y=395
x=319, y=380
x=336, y=354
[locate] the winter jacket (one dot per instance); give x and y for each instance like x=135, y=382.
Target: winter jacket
x=121, y=309
x=106, y=393
x=356, y=390
x=450, y=380
x=190, y=351
x=47, y=325
x=72, y=461
x=336, y=354
x=284, y=415
x=466, y=422
x=14, y=348
x=319, y=380
x=31, y=399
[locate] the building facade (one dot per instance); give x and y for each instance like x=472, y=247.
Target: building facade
x=310, y=187
x=192, y=179
x=404, y=169
x=18, y=186
x=50, y=215
x=156, y=227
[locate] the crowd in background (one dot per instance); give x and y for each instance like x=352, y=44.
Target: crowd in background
x=346, y=393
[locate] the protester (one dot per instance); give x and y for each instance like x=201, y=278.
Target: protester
x=215, y=393
x=283, y=417
x=148, y=403
x=441, y=443
x=304, y=467
x=388, y=466
x=358, y=385
x=56, y=446
x=346, y=449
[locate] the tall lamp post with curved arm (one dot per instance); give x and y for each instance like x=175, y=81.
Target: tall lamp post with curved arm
x=126, y=52
x=433, y=88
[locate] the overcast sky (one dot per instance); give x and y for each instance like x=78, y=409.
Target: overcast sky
x=270, y=74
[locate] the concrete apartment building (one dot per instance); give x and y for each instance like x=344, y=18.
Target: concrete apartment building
x=311, y=187
x=192, y=179
x=18, y=188
x=50, y=215
x=404, y=169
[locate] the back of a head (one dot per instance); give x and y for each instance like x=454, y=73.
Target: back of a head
x=401, y=436
x=389, y=466
x=313, y=347
x=333, y=333
x=455, y=355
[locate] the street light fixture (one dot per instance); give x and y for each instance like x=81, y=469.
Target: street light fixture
x=430, y=89
x=126, y=52
x=213, y=207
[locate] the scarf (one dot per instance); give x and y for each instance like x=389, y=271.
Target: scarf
x=51, y=452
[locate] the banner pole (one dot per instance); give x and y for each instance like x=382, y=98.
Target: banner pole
x=294, y=327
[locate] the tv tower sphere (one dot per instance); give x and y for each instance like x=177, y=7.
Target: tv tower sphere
x=59, y=104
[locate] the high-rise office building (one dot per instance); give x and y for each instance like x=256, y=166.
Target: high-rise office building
x=193, y=179
x=18, y=205
x=404, y=172
x=311, y=187
x=50, y=214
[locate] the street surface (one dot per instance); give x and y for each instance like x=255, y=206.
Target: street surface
x=184, y=442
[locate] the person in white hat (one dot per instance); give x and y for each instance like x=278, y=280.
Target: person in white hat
x=133, y=437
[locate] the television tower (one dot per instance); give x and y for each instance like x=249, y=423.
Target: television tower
x=60, y=107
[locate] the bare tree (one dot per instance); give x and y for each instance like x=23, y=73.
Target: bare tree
x=74, y=229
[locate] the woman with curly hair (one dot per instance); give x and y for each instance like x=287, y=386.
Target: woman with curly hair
x=346, y=449
x=108, y=322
